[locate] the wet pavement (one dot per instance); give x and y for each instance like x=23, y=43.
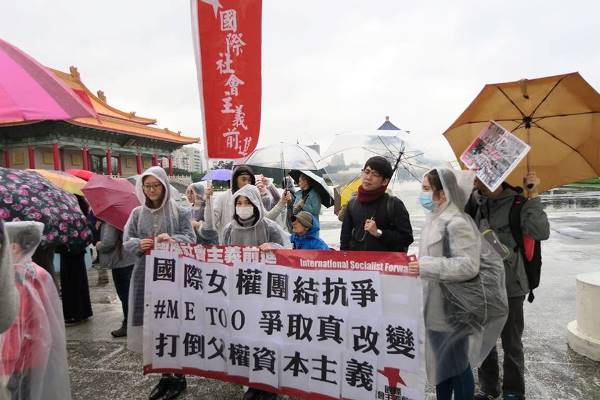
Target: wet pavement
x=102, y=368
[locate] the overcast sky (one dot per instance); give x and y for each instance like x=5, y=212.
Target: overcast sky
x=329, y=66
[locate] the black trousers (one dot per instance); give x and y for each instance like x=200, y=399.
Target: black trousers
x=121, y=279
x=75, y=292
x=514, y=359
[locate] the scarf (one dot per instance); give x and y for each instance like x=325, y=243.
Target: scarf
x=369, y=196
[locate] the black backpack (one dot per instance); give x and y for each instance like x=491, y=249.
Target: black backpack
x=533, y=263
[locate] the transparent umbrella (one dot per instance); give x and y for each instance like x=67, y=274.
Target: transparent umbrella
x=275, y=160
x=347, y=154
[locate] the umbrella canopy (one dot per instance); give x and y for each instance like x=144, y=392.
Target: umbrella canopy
x=348, y=152
x=81, y=173
x=63, y=180
x=27, y=196
x=111, y=199
x=220, y=174
x=342, y=194
x=285, y=156
x=30, y=92
x=318, y=184
x=558, y=116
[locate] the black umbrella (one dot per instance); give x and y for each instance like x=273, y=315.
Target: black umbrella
x=317, y=183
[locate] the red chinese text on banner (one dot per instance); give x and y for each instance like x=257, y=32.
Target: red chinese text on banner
x=227, y=39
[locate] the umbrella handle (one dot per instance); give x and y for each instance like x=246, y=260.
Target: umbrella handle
x=530, y=185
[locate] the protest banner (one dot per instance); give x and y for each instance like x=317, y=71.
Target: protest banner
x=310, y=324
x=495, y=153
x=227, y=45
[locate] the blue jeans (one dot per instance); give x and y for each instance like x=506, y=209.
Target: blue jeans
x=121, y=278
x=462, y=385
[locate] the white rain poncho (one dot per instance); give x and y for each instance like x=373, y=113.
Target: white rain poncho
x=33, y=360
x=464, y=291
x=261, y=231
x=145, y=222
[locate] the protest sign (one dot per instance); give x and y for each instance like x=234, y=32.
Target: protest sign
x=310, y=324
x=495, y=153
x=227, y=44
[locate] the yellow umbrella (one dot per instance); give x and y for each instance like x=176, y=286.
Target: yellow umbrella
x=558, y=116
x=63, y=180
x=343, y=193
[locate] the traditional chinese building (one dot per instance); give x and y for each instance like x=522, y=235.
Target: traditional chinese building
x=115, y=143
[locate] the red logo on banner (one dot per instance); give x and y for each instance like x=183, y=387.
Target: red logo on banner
x=228, y=53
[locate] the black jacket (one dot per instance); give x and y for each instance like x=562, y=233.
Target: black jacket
x=397, y=231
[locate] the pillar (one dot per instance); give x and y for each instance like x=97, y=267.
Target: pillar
x=170, y=165
x=31, y=156
x=138, y=162
x=85, y=158
x=61, y=153
x=55, y=156
x=108, y=162
x=119, y=165
x=584, y=332
x=154, y=160
x=6, y=158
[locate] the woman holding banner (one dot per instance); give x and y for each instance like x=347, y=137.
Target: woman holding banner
x=250, y=227
x=159, y=219
x=449, y=263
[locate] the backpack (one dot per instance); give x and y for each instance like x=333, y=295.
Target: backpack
x=530, y=249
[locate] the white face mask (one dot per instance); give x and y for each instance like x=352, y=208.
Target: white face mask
x=244, y=212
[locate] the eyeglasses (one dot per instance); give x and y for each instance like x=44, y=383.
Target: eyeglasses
x=368, y=171
x=156, y=186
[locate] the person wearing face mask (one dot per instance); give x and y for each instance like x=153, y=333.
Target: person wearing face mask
x=250, y=227
x=449, y=251
x=158, y=219
x=375, y=220
x=223, y=205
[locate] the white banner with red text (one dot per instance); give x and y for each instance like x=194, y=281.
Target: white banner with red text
x=306, y=323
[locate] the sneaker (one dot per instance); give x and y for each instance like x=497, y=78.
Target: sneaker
x=121, y=332
x=484, y=396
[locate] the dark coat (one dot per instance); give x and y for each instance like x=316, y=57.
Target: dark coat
x=395, y=225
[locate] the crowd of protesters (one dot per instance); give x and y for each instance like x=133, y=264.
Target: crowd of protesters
x=252, y=212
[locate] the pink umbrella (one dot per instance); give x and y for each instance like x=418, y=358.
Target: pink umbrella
x=30, y=92
x=111, y=199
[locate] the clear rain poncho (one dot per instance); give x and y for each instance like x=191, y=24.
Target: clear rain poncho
x=145, y=222
x=33, y=361
x=261, y=231
x=464, y=284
